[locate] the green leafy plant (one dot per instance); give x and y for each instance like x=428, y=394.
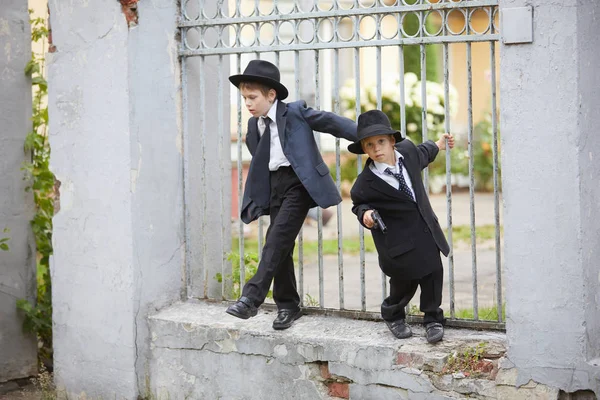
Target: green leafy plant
x=310, y=301
x=38, y=316
x=4, y=240
x=483, y=160
x=468, y=360
x=251, y=266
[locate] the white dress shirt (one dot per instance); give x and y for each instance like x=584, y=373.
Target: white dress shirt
x=277, y=158
x=379, y=168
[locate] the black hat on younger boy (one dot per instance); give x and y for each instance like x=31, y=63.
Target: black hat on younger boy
x=264, y=72
x=372, y=123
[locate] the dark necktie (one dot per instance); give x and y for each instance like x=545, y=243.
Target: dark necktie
x=260, y=186
x=403, y=186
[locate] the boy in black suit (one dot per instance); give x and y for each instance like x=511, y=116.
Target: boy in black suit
x=409, y=252
x=287, y=177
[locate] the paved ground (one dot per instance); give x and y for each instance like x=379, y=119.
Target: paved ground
x=463, y=270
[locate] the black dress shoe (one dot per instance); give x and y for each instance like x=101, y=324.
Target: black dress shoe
x=399, y=328
x=244, y=308
x=434, y=332
x=286, y=317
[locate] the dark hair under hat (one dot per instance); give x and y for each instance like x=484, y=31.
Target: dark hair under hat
x=372, y=123
x=263, y=72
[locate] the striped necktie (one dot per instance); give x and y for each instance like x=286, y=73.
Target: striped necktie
x=403, y=186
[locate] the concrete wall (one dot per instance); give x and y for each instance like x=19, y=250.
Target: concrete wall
x=18, y=356
x=549, y=89
x=116, y=144
x=588, y=18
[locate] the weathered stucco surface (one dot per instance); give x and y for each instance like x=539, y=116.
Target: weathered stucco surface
x=118, y=237
x=550, y=186
x=18, y=357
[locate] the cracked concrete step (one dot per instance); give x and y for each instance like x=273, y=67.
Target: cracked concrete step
x=200, y=351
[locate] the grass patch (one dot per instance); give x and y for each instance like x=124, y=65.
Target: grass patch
x=310, y=249
x=351, y=245
x=485, y=313
x=462, y=233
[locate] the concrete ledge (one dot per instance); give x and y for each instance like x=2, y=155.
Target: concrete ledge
x=200, y=352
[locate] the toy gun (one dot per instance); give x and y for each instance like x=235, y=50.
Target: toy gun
x=378, y=221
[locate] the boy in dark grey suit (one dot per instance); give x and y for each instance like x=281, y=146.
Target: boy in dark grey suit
x=409, y=252
x=287, y=177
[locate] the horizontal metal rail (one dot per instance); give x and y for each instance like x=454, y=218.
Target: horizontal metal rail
x=299, y=16
x=376, y=316
x=341, y=45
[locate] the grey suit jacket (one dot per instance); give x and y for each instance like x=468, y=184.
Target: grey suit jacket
x=295, y=125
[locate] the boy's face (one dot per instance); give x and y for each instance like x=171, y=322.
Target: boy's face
x=256, y=102
x=380, y=148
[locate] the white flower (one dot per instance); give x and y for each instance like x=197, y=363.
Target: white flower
x=437, y=109
x=391, y=91
x=410, y=78
x=347, y=92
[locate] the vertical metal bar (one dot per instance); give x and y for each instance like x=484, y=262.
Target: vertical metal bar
x=402, y=100
x=471, y=179
x=319, y=212
x=448, y=181
x=301, y=233
x=424, y=129
x=361, y=231
x=187, y=289
x=238, y=8
x=402, y=91
x=261, y=220
x=379, y=107
x=496, y=183
x=221, y=156
x=338, y=176
x=240, y=178
x=202, y=107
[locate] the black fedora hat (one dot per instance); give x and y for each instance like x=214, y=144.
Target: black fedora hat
x=262, y=72
x=372, y=123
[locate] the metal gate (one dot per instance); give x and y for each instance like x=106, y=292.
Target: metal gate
x=329, y=51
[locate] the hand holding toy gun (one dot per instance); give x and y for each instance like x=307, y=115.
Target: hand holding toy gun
x=378, y=221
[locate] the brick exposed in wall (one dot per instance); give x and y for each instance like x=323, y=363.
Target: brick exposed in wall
x=129, y=8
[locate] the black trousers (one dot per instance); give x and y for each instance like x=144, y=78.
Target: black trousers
x=289, y=205
x=403, y=290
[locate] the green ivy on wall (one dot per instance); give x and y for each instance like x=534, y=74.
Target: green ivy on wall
x=38, y=316
x=4, y=240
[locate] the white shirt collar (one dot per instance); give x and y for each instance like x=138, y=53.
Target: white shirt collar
x=382, y=166
x=273, y=111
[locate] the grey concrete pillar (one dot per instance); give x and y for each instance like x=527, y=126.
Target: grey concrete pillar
x=18, y=352
x=550, y=124
x=117, y=150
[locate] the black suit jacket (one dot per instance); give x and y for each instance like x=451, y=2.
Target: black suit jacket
x=295, y=125
x=410, y=249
